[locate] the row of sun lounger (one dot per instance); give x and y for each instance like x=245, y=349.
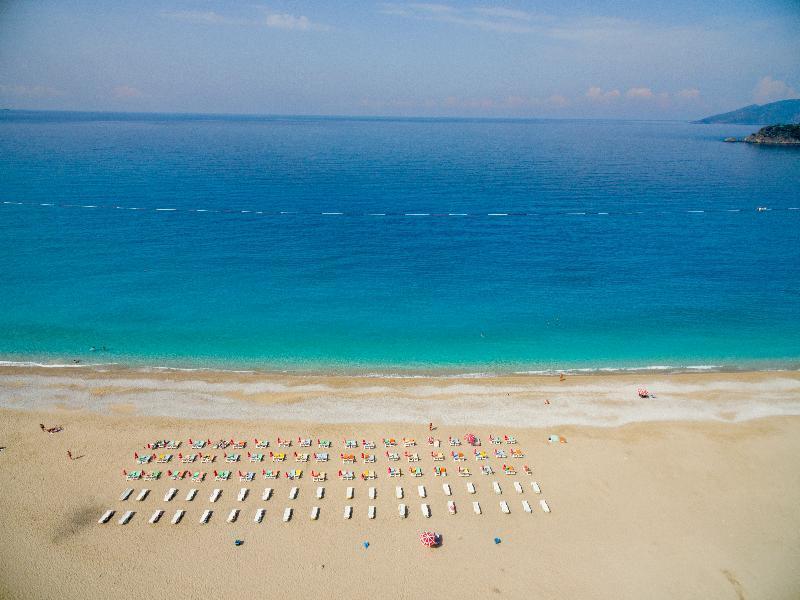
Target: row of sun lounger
x=233, y=515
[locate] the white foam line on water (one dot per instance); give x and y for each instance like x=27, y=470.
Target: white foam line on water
x=734, y=210
x=332, y=213
x=166, y=209
x=497, y=214
x=377, y=214
x=88, y=206
x=793, y=208
x=46, y=204
x=246, y=211
x=288, y=212
x=576, y=213
x=200, y=210
x=417, y=214
x=457, y=214
x=695, y=211
x=602, y=213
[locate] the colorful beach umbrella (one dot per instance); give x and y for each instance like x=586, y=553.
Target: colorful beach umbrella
x=470, y=438
x=428, y=538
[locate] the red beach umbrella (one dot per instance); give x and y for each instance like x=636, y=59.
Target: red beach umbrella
x=470, y=438
x=428, y=538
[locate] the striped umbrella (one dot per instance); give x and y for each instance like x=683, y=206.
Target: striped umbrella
x=428, y=538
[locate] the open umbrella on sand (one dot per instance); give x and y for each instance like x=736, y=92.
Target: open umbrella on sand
x=471, y=438
x=429, y=539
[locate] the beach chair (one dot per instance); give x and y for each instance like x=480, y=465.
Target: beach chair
x=156, y=516
x=242, y=494
x=142, y=495
x=368, y=475
x=476, y=507
x=173, y=445
x=324, y=443
x=221, y=444
x=481, y=455
x=447, y=490
x=315, y=513
x=421, y=491
x=371, y=512
x=259, y=515
x=509, y=470
x=143, y=459
x=471, y=488
x=517, y=453
x=267, y=494
x=495, y=440
x=500, y=453
x=215, y=495
x=518, y=487
x=304, y=442
x=176, y=475
x=164, y=458
x=320, y=492
x=440, y=471
x=496, y=487
x=346, y=475
x=321, y=456
x=206, y=516
x=261, y=444
x=233, y=515
x=348, y=512
x=197, y=444
x=152, y=476
x=437, y=456
x=510, y=439
x=186, y=458
x=270, y=474
x=132, y=475
x=394, y=472
x=125, y=519
x=402, y=510
x=454, y=441
x=232, y=457
x=255, y=457
x=277, y=456
x=426, y=510
x=372, y=493
x=349, y=493
x=411, y=456
x=415, y=471
x=106, y=517
x=398, y=492
x=388, y=442
x=176, y=518
x=527, y=470
x=409, y=442
x=348, y=458
x=293, y=493
x=125, y=494
x=302, y=457
x=351, y=444
x=192, y=493
x=526, y=507
x=536, y=488
x=248, y=476
x=504, y=507
x=222, y=475
x=464, y=472
x=317, y=476
x=367, y=458
x=287, y=515
x=293, y=474
x=392, y=456
x=487, y=470
x=198, y=476
x=543, y=504
x=170, y=494
x=368, y=444
x=155, y=445
x=240, y=445
x=451, y=507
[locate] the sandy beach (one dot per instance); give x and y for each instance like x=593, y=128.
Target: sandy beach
x=691, y=494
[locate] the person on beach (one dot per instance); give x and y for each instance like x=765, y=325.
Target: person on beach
x=562, y=378
x=69, y=454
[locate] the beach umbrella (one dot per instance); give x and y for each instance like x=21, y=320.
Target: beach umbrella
x=428, y=538
x=470, y=438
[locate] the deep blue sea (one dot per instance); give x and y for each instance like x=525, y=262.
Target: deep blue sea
x=453, y=245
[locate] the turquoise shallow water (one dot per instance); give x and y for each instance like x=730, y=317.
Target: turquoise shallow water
x=461, y=245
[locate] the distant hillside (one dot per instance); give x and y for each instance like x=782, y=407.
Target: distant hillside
x=783, y=111
x=776, y=134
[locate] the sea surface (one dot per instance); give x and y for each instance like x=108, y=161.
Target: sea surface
x=395, y=246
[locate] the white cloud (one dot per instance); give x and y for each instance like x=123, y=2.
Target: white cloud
x=126, y=91
x=298, y=23
x=206, y=17
x=498, y=19
x=769, y=90
x=503, y=13
x=596, y=94
x=640, y=93
x=688, y=94
x=30, y=91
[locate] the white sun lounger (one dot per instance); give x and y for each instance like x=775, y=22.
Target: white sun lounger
x=176, y=518
x=242, y=495
x=471, y=488
x=233, y=515
x=349, y=494
x=476, y=507
x=259, y=515
x=170, y=494
x=518, y=487
x=106, y=517
x=293, y=493
x=267, y=494
x=536, y=488
x=287, y=514
x=398, y=492
x=504, y=507
x=126, y=517
x=348, y=512
x=372, y=493
x=320, y=492
x=125, y=495
x=451, y=507
x=371, y=512
x=192, y=493
x=446, y=488
x=496, y=488
x=315, y=513
x=142, y=495
x=206, y=516
x=526, y=507
x=215, y=495
x=543, y=504
x=426, y=510
x=402, y=510
x=421, y=490
x=156, y=516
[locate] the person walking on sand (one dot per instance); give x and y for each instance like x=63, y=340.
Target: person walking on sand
x=69, y=454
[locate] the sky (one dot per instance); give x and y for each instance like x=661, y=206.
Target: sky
x=681, y=59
